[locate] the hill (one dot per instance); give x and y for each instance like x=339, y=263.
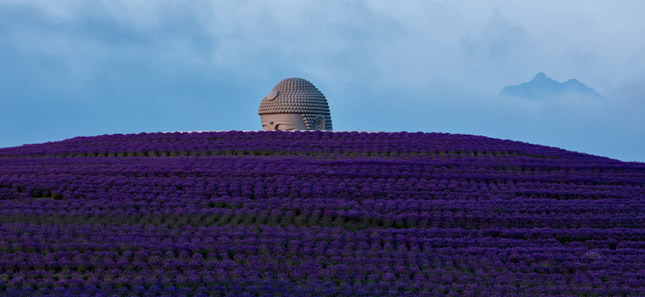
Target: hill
x=317, y=213
x=542, y=86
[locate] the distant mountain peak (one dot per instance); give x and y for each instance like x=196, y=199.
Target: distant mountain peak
x=543, y=86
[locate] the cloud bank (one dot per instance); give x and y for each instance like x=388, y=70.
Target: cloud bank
x=92, y=67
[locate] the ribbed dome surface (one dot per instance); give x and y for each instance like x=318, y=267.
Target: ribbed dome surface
x=297, y=95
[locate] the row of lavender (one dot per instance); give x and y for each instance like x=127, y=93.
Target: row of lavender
x=416, y=261
x=200, y=178
x=325, y=143
x=476, y=216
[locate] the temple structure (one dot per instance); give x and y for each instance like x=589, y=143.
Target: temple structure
x=295, y=104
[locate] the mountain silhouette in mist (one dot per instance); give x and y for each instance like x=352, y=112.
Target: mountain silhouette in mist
x=542, y=86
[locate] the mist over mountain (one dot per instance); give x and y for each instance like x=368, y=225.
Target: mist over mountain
x=543, y=86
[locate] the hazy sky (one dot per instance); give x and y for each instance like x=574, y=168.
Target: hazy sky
x=72, y=68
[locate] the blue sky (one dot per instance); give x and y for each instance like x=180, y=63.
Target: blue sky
x=81, y=68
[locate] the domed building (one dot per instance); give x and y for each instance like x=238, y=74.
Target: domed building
x=295, y=104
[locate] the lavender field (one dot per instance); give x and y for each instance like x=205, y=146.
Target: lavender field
x=317, y=214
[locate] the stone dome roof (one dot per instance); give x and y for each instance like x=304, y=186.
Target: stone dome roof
x=294, y=95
